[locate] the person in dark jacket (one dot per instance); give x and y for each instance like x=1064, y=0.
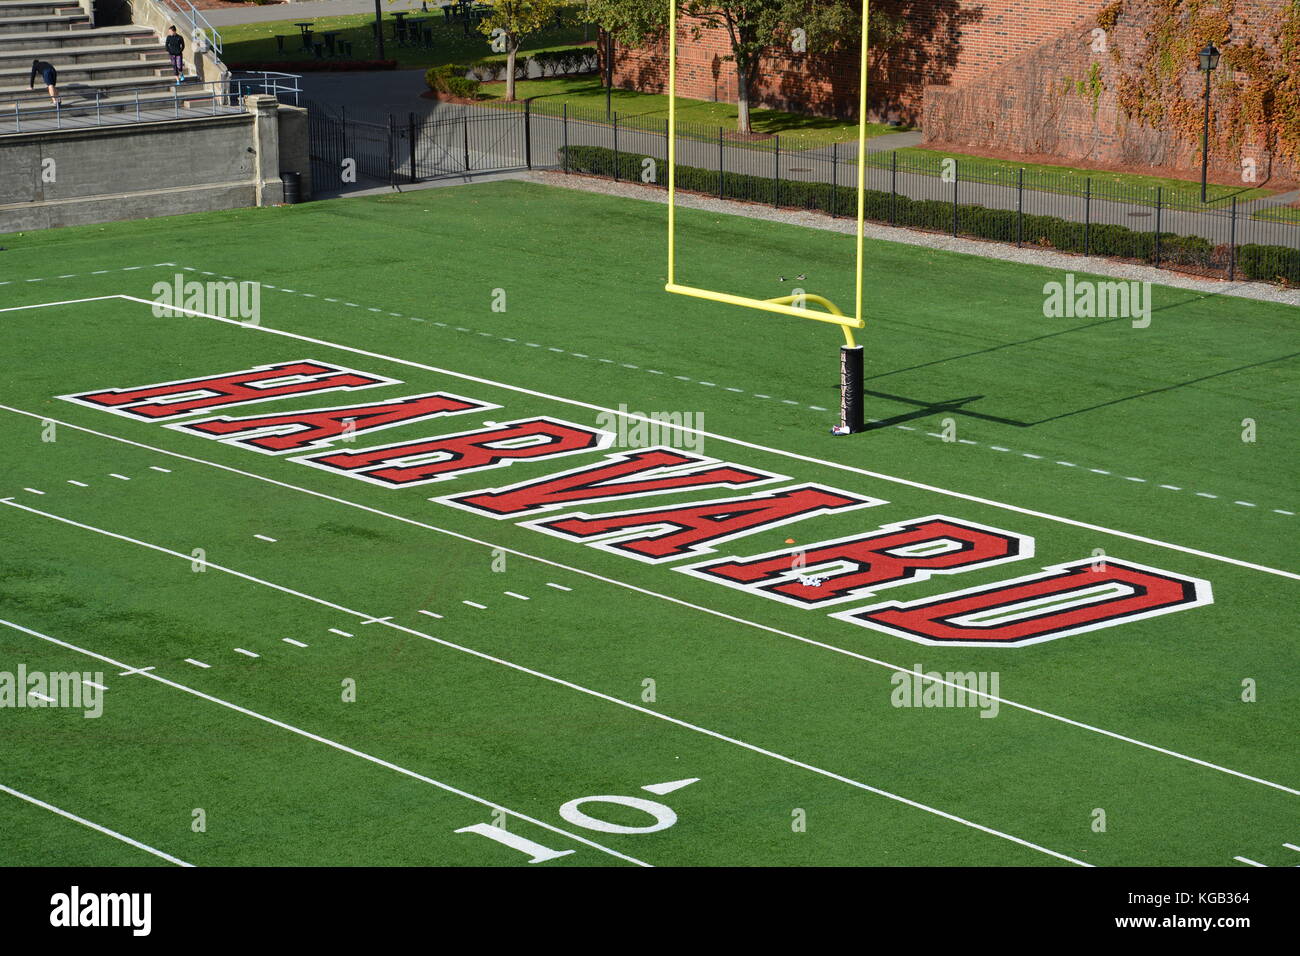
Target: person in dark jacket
x=49, y=75
x=175, y=49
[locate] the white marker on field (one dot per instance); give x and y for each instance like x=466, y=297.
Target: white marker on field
x=335, y=630
x=481, y=607
x=290, y=640
x=240, y=650
x=262, y=537
x=514, y=595
x=558, y=587
x=430, y=614
x=190, y=660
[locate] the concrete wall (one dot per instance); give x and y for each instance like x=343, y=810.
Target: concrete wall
x=155, y=169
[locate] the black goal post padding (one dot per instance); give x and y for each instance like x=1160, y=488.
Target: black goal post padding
x=851, y=388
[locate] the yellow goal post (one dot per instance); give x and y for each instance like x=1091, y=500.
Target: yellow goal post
x=851, y=363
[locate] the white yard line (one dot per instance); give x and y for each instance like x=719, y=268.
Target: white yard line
x=1091, y=728
x=741, y=443
x=343, y=748
x=572, y=686
x=94, y=826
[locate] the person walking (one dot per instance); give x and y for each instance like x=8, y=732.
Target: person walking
x=49, y=75
x=175, y=49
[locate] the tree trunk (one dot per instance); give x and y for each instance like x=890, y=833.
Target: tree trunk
x=742, y=98
x=510, y=68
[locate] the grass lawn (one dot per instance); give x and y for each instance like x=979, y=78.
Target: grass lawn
x=1279, y=214
x=255, y=42
x=459, y=659
x=1134, y=186
x=588, y=93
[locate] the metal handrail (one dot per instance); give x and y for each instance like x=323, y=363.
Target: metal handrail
x=198, y=23
x=226, y=93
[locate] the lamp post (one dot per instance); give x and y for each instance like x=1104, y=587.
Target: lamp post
x=1209, y=58
x=609, y=70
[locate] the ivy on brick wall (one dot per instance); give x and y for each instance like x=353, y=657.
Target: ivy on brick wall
x=1261, y=110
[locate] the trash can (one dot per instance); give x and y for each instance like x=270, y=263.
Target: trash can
x=292, y=188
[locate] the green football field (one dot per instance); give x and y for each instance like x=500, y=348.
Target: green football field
x=538, y=642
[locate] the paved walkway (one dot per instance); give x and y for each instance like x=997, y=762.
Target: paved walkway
x=495, y=141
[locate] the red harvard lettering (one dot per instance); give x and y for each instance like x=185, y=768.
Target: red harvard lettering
x=315, y=428
x=650, y=472
x=435, y=459
x=832, y=571
x=1068, y=599
x=172, y=399
x=669, y=533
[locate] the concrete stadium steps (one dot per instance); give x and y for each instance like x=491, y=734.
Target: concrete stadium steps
x=15, y=76
x=28, y=8
x=75, y=39
x=12, y=25
x=82, y=93
x=70, y=58
x=189, y=95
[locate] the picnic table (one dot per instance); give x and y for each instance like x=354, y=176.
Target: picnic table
x=305, y=30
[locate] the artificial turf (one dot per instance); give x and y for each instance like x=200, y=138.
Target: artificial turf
x=524, y=705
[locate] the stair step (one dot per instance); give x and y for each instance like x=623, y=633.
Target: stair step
x=90, y=73
x=75, y=93
x=66, y=58
x=68, y=39
x=12, y=25
x=196, y=98
x=10, y=10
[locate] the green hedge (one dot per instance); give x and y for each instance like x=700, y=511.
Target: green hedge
x=559, y=62
x=1267, y=263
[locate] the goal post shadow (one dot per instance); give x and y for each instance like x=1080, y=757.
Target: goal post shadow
x=851, y=353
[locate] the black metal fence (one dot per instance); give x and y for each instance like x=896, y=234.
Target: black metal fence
x=1158, y=226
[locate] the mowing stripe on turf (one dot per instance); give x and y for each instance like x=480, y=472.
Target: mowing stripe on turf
x=744, y=444
x=344, y=748
x=649, y=593
x=95, y=826
x=568, y=684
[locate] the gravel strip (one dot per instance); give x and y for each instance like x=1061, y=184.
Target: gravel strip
x=1034, y=256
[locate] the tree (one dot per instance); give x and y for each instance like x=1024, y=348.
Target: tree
x=753, y=28
x=512, y=20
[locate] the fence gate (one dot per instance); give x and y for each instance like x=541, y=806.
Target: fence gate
x=410, y=149
x=473, y=141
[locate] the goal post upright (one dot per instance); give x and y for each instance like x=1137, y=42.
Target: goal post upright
x=851, y=353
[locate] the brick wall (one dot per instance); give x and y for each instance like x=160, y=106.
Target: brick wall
x=1032, y=103
x=947, y=42
x=987, y=75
